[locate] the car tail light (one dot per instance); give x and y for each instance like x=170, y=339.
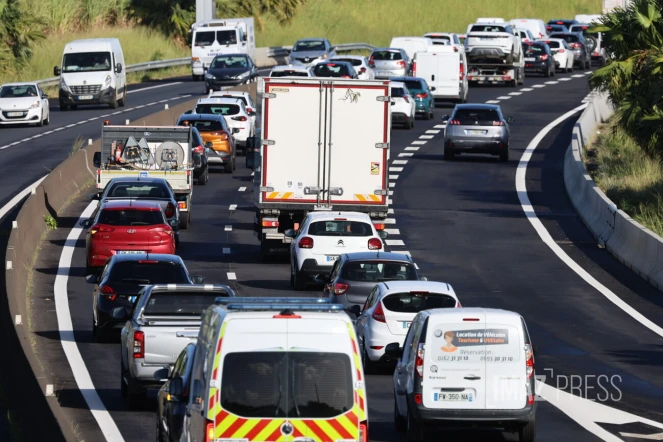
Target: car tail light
x=506, y=78
x=422, y=95
x=379, y=226
x=371, y=62
x=306, y=243
x=241, y=118
x=458, y=305
x=575, y=45
x=402, y=64
x=249, y=109
x=170, y=210
x=417, y=399
x=181, y=204
x=560, y=22
x=378, y=313
x=462, y=72
x=209, y=431
x=454, y=122
x=108, y=292
x=139, y=345
x=363, y=431
x=374, y=244
x=544, y=57
x=560, y=51
x=340, y=288
x=529, y=360
x=414, y=68
x=101, y=229
x=362, y=70
x=148, y=261
x=270, y=223
x=198, y=149
x=345, y=76
x=407, y=100
x=471, y=319
x=419, y=361
x=498, y=123
x=340, y=219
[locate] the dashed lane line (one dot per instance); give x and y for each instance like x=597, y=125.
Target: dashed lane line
x=390, y=221
x=392, y=184
x=526, y=89
x=539, y=86
x=394, y=242
x=577, y=76
x=399, y=162
x=515, y=93
x=228, y=228
x=426, y=137
x=395, y=169
x=231, y=276
x=391, y=193
x=414, y=148
x=393, y=177
x=393, y=231
x=232, y=207
x=565, y=79
x=390, y=211
x=405, y=154
x=432, y=131
x=242, y=189
x=420, y=142
x=552, y=82
x=504, y=97
x=440, y=126
x=588, y=73
x=492, y=101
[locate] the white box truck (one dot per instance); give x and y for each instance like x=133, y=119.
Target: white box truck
x=324, y=146
x=220, y=36
x=444, y=69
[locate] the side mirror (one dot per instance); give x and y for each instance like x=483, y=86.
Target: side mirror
x=382, y=234
x=173, y=223
x=235, y=130
x=197, y=279
x=445, y=118
x=209, y=145
x=320, y=279
x=85, y=223
x=118, y=68
x=175, y=387
x=45, y=96
x=423, y=278
x=290, y=233
x=120, y=314
x=244, y=37
x=94, y=197
x=432, y=88
x=510, y=119
x=96, y=160
x=393, y=102
x=56, y=71
x=355, y=310
x=161, y=374
x=92, y=278
x=394, y=350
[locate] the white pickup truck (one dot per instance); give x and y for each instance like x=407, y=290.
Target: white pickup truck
x=165, y=319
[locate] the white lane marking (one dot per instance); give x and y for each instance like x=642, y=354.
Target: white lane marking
x=505, y=97
x=426, y=137
x=394, y=242
x=405, y=154
x=539, y=86
x=393, y=231
x=390, y=211
x=228, y=228
x=68, y=339
x=552, y=82
x=153, y=87
x=391, y=192
x=492, y=101
x=577, y=76
x=526, y=89
x=71, y=125
x=393, y=177
x=399, y=162
x=412, y=148
x=392, y=184
x=395, y=169
x=231, y=276
x=252, y=173
x=432, y=131
x=232, y=207
x=565, y=79
x=390, y=221
x=242, y=189
x=419, y=142
x=588, y=73
x=440, y=126
x=22, y=194
x=515, y=93
x=521, y=188
x=226, y=250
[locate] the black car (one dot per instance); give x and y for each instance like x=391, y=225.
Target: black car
x=230, y=70
x=335, y=69
x=556, y=28
x=120, y=282
x=200, y=169
x=173, y=397
x=578, y=44
x=354, y=275
x=538, y=58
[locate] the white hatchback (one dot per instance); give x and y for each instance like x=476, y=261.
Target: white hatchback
x=403, y=106
x=322, y=238
x=389, y=310
x=235, y=113
x=23, y=103
x=251, y=108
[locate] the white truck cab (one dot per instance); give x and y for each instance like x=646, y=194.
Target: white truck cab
x=92, y=72
x=220, y=36
x=288, y=368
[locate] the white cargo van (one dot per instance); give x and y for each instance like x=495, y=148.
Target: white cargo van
x=465, y=367
x=444, y=69
x=536, y=26
x=92, y=72
x=411, y=45
x=220, y=36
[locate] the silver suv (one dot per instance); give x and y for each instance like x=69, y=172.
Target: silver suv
x=389, y=62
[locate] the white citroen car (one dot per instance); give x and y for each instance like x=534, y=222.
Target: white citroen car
x=562, y=53
x=251, y=108
x=403, y=106
x=235, y=113
x=23, y=103
x=389, y=310
x=322, y=238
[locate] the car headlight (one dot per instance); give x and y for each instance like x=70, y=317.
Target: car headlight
x=35, y=105
x=63, y=85
x=210, y=76
x=324, y=56
x=243, y=75
x=107, y=82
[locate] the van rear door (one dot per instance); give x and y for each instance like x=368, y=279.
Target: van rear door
x=506, y=374
x=454, y=362
x=448, y=68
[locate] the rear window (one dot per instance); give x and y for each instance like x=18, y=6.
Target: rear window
x=386, y=55
x=569, y=38
x=340, y=228
x=207, y=125
x=179, y=303
x=553, y=44
x=414, y=85
x=219, y=109
x=397, y=92
x=473, y=115
x=534, y=49
x=138, y=190
x=416, y=302
x=579, y=28
x=352, y=61
x=288, y=74
x=130, y=217
x=378, y=271
x=159, y=272
x=239, y=97
x=299, y=384
x=487, y=28
x=331, y=70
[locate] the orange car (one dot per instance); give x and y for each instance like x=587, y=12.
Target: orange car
x=218, y=137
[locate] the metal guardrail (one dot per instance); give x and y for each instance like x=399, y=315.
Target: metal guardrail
x=276, y=51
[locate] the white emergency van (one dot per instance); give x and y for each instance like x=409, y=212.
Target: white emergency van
x=276, y=369
x=465, y=367
x=92, y=72
x=411, y=45
x=220, y=36
x=444, y=68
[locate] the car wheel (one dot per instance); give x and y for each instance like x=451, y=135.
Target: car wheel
x=431, y=113
x=552, y=71
x=113, y=104
x=427, y=116
x=123, y=101
x=411, y=125
x=47, y=121
x=369, y=366
x=41, y=121
x=299, y=283
x=415, y=432
x=527, y=433
x=63, y=107
x=207, y=90
x=504, y=156
x=228, y=168
x=124, y=390
x=184, y=222
x=399, y=421
x=204, y=177
x=547, y=73
x=448, y=153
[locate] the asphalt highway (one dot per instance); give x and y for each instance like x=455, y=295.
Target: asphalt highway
x=463, y=224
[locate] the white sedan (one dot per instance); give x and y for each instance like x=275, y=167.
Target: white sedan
x=403, y=107
x=235, y=113
x=360, y=63
x=562, y=53
x=23, y=103
x=389, y=310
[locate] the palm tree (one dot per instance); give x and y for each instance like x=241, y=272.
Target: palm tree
x=282, y=10
x=19, y=29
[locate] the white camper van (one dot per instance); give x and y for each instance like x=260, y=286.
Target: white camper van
x=444, y=68
x=221, y=36
x=92, y=72
x=411, y=45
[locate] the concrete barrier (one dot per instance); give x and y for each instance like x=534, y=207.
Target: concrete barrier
x=52, y=197
x=631, y=243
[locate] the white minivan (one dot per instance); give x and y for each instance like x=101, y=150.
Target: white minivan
x=412, y=45
x=462, y=368
x=92, y=72
x=444, y=69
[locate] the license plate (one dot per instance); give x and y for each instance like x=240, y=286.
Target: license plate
x=130, y=252
x=85, y=97
x=331, y=258
x=454, y=397
x=14, y=114
x=530, y=59
x=406, y=324
x=384, y=73
x=476, y=132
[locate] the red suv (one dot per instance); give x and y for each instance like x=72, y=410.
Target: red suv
x=127, y=227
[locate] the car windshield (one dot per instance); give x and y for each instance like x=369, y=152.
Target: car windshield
x=219, y=109
x=487, y=28
x=179, y=303
x=534, y=49
x=296, y=384
x=275, y=74
x=302, y=46
x=226, y=37
x=378, y=271
x=340, y=228
x=207, y=125
x=331, y=70
x=386, y=56
x=138, y=190
x=86, y=62
x=18, y=91
x=414, y=85
x=229, y=62
x=148, y=272
x=207, y=38
x=474, y=116
x=569, y=38
x=130, y=217
x=414, y=302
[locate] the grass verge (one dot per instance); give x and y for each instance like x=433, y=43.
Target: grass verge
x=629, y=177
x=377, y=21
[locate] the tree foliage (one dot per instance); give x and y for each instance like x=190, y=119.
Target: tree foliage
x=633, y=77
x=282, y=10
x=19, y=29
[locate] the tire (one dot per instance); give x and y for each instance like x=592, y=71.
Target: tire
x=431, y=114
x=591, y=43
x=184, y=222
x=123, y=101
x=552, y=71
x=527, y=433
x=228, y=168
x=504, y=156
x=41, y=122
x=202, y=180
x=235, y=162
x=113, y=104
x=415, y=432
x=124, y=390
x=63, y=107
x=207, y=91
x=369, y=366
x=298, y=281
x=47, y=121
x=547, y=73
x=427, y=116
x=448, y=154
x=512, y=83
x=400, y=423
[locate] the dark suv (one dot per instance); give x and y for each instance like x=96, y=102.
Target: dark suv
x=354, y=275
x=578, y=44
